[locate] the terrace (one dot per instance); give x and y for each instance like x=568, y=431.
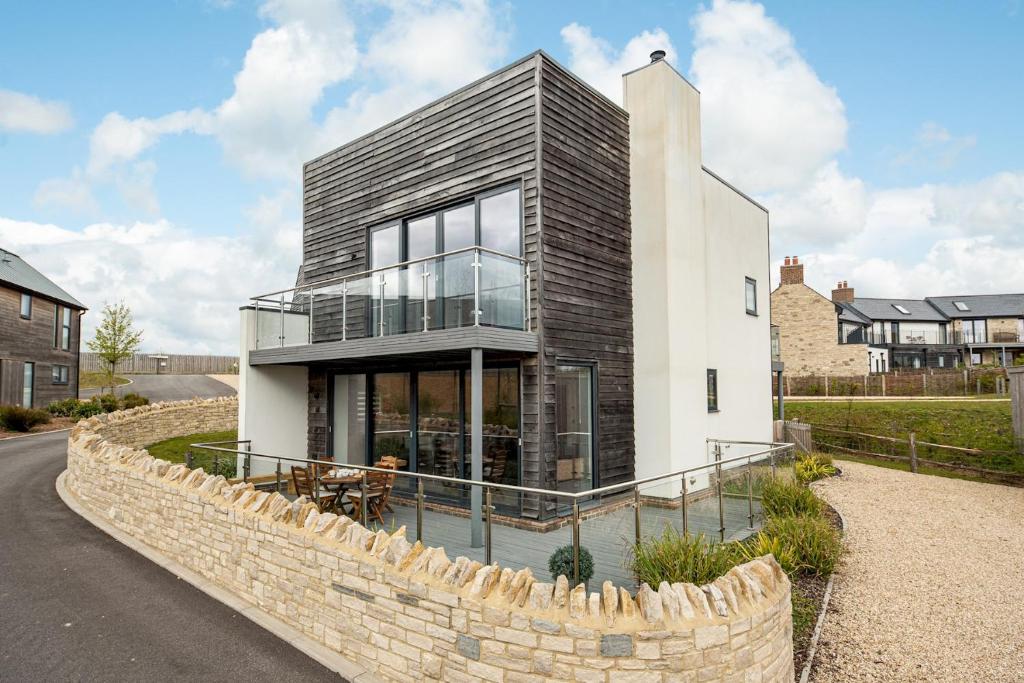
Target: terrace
x=719, y=499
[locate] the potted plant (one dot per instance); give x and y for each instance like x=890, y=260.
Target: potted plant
x=560, y=563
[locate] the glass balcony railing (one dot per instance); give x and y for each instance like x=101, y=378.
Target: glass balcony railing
x=468, y=287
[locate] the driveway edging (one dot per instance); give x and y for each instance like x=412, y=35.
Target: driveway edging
x=332, y=660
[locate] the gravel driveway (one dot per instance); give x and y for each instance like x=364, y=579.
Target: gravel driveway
x=933, y=586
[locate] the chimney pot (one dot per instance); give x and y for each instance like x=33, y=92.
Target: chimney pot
x=796, y=260
x=786, y=262
x=657, y=56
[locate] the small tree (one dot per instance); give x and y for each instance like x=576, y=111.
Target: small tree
x=115, y=339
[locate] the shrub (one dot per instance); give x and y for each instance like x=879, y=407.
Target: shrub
x=765, y=544
x=560, y=563
x=810, y=544
x=813, y=466
x=108, y=402
x=86, y=409
x=133, y=400
x=782, y=498
x=18, y=419
x=65, y=408
x=677, y=558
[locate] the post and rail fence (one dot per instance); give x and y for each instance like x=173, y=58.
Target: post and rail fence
x=160, y=364
x=719, y=476
x=898, y=383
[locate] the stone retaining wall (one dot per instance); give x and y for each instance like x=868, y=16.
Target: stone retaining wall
x=407, y=612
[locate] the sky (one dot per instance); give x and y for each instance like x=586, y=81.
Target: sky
x=151, y=152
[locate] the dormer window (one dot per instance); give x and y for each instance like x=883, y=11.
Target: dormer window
x=961, y=306
x=901, y=309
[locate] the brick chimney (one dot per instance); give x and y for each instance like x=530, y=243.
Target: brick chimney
x=792, y=271
x=842, y=294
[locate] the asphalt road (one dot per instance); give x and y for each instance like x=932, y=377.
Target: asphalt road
x=169, y=387
x=76, y=605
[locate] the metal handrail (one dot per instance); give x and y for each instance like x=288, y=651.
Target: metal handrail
x=381, y=269
x=489, y=487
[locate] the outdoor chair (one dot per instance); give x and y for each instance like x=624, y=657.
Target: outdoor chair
x=378, y=493
x=304, y=486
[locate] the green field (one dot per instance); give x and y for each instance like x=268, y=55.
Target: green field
x=985, y=425
x=173, y=450
x=98, y=380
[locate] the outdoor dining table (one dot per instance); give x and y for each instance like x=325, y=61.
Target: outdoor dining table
x=338, y=485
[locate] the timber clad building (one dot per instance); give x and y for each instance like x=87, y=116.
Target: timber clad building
x=40, y=326
x=474, y=263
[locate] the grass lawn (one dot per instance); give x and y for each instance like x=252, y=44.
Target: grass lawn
x=173, y=450
x=969, y=424
x=97, y=380
x=905, y=467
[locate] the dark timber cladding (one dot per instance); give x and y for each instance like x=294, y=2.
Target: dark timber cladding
x=587, y=290
x=535, y=124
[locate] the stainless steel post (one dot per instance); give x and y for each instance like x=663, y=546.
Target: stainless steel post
x=248, y=462
x=278, y=479
x=256, y=336
x=476, y=288
x=686, y=521
x=316, y=485
x=419, y=509
x=216, y=463
x=426, y=310
x=636, y=514
x=310, y=315
x=750, y=495
x=380, y=323
x=362, y=501
x=476, y=444
x=344, y=310
x=188, y=459
x=575, y=542
x=280, y=335
x=718, y=487
x=526, y=301
x=488, y=538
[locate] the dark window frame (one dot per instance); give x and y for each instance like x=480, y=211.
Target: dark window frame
x=60, y=374
x=25, y=297
x=66, y=323
x=713, y=390
x=595, y=394
x=752, y=282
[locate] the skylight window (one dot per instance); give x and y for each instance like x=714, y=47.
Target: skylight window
x=961, y=306
x=901, y=309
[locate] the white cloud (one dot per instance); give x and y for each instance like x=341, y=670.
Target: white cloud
x=829, y=208
x=74, y=193
x=29, y=114
x=598, y=63
x=118, y=139
x=769, y=123
x=184, y=289
x=935, y=147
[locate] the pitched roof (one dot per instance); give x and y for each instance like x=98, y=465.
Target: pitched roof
x=15, y=271
x=981, y=305
x=885, y=309
x=848, y=313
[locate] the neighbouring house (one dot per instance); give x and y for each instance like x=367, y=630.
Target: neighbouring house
x=522, y=283
x=850, y=335
x=40, y=326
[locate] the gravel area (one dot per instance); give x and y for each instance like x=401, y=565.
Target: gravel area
x=932, y=588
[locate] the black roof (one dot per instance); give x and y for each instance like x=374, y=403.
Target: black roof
x=17, y=272
x=919, y=310
x=981, y=305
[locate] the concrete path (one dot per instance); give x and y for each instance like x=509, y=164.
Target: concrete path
x=931, y=588
x=170, y=387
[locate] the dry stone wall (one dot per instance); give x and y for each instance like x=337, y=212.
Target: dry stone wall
x=408, y=612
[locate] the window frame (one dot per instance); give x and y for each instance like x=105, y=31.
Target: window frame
x=25, y=297
x=593, y=367
x=749, y=281
x=713, y=397
x=60, y=374
x=66, y=324
x=28, y=371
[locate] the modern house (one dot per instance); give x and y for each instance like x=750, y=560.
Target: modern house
x=40, y=326
x=522, y=283
x=850, y=335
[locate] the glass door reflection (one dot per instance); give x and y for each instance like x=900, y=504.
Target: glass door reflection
x=500, y=431
x=438, y=428
x=392, y=426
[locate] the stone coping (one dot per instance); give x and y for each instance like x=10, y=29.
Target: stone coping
x=460, y=620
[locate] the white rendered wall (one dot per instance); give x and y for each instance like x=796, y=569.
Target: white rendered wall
x=878, y=353
x=738, y=344
x=272, y=404
x=669, y=270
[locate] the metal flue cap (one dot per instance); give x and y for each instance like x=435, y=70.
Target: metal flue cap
x=657, y=56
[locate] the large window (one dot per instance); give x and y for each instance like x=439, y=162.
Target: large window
x=65, y=337
x=974, y=332
x=60, y=374
x=26, y=306
x=712, y=391
x=574, y=427
x=28, y=386
x=750, y=291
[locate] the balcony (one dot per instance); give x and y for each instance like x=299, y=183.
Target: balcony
x=452, y=298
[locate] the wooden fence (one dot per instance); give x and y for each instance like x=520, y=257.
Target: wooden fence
x=964, y=382
x=1002, y=466
x=171, y=364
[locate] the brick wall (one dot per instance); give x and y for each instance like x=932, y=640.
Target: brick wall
x=808, y=334
x=407, y=612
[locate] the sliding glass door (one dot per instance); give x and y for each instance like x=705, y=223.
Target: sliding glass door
x=574, y=427
x=438, y=430
x=392, y=433
x=500, y=430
